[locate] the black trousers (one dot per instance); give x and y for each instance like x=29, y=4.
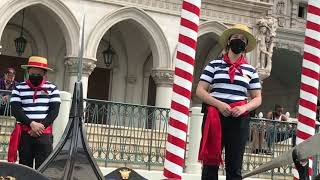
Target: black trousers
x=32, y=148
x=235, y=132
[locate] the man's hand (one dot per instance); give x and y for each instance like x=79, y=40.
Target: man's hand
x=32, y=133
x=225, y=109
x=5, y=99
x=284, y=117
x=237, y=111
x=37, y=128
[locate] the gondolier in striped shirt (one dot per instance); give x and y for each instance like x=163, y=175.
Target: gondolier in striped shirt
x=226, y=120
x=35, y=105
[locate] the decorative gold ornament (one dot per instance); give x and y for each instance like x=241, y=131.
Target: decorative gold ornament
x=7, y=178
x=125, y=173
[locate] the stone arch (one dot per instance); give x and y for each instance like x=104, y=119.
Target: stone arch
x=35, y=49
x=208, y=48
x=119, y=68
x=290, y=46
x=66, y=19
x=204, y=28
x=157, y=41
x=214, y=29
x=211, y=27
x=281, y=86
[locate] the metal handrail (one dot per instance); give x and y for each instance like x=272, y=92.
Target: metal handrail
x=123, y=134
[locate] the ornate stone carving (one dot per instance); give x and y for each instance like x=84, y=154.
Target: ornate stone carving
x=280, y=7
x=7, y=178
x=267, y=27
x=125, y=173
x=163, y=77
x=88, y=65
x=210, y=10
x=281, y=21
x=263, y=74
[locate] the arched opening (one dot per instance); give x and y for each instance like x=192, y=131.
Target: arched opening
x=140, y=47
x=45, y=31
x=123, y=80
x=282, y=87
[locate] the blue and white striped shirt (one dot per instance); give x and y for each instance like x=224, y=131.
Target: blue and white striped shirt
x=38, y=109
x=216, y=74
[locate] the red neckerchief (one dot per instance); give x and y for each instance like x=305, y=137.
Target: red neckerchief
x=36, y=89
x=210, y=145
x=234, y=66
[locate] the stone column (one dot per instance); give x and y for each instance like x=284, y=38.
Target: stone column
x=164, y=80
x=71, y=64
x=131, y=81
x=144, y=98
x=192, y=164
x=62, y=120
x=294, y=13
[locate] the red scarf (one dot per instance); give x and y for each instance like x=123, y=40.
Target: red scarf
x=210, y=145
x=37, y=88
x=15, y=139
x=234, y=66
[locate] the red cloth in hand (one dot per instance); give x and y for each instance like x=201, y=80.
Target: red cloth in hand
x=210, y=147
x=234, y=66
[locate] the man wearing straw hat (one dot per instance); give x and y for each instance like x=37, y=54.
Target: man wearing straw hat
x=226, y=118
x=35, y=105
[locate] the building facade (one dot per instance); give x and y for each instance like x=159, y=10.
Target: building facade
x=143, y=34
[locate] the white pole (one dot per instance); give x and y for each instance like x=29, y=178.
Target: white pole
x=192, y=164
x=60, y=123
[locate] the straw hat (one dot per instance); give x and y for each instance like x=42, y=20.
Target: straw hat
x=238, y=29
x=37, y=62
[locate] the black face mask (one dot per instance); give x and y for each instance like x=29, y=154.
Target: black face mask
x=237, y=46
x=35, y=80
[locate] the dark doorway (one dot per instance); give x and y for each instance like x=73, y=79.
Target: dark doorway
x=98, y=84
x=152, y=90
x=13, y=62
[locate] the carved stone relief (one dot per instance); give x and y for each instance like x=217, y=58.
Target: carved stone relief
x=281, y=12
x=280, y=7
x=267, y=27
x=163, y=77
x=210, y=10
x=281, y=21
x=88, y=65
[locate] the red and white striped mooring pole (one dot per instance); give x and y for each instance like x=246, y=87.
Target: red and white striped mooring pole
x=309, y=77
x=179, y=114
